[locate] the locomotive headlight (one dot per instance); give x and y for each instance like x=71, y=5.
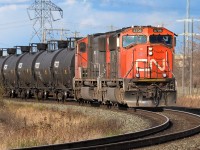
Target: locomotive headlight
x=137, y=75
x=164, y=75
x=150, y=48
x=150, y=53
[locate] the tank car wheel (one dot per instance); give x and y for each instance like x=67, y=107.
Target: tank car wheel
x=60, y=97
x=40, y=95
x=122, y=106
x=45, y=95
x=10, y=94
x=13, y=94
x=23, y=95
x=81, y=101
x=95, y=103
x=109, y=104
x=65, y=96
x=36, y=95
x=28, y=94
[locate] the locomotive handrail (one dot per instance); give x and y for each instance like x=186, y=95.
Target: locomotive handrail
x=129, y=70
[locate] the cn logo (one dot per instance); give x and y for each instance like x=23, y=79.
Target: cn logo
x=143, y=65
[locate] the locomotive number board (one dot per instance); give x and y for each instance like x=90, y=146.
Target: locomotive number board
x=137, y=30
x=157, y=30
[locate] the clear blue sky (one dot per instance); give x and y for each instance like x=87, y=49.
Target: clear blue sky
x=91, y=16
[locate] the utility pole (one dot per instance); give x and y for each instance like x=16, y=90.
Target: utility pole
x=191, y=60
x=76, y=34
x=112, y=28
x=185, y=42
x=43, y=17
x=183, y=67
x=188, y=26
x=187, y=22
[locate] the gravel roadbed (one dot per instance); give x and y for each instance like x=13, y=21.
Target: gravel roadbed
x=189, y=143
x=131, y=122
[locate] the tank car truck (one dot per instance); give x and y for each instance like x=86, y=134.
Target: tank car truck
x=132, y=66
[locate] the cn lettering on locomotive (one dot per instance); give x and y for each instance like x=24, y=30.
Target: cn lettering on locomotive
x=151, y=62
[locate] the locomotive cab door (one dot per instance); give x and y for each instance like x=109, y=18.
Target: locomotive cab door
x=112, y=63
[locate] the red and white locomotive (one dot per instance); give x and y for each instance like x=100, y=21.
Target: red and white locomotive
x=132, y=66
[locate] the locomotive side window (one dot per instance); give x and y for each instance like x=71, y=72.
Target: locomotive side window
x=164, y=39
x=82, y=46
x=133, y=39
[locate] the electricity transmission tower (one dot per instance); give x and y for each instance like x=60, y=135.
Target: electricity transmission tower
x=42, y=13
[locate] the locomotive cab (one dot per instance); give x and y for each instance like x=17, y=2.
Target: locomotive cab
x=150, y=49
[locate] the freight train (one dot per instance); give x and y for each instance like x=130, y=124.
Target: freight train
x=130, y=67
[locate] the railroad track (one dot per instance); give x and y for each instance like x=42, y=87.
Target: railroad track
x=173, y=125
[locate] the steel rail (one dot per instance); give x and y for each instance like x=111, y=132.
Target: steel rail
x=150, y=140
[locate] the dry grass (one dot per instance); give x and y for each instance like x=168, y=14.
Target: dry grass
x=25, y=126
x=1, y=91
x=189, y=101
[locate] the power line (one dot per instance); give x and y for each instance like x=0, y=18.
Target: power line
x=76, y=34
x=112, y=28
x=50, y=32
x=188, y=23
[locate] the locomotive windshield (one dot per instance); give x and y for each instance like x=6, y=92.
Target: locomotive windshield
x=164, y=39
x=133, y=39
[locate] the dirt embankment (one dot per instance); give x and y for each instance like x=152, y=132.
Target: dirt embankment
x=26, y=125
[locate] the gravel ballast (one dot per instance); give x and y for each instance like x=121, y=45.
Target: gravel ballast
x=131, y=122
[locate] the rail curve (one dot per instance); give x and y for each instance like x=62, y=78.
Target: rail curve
x=148, y=141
